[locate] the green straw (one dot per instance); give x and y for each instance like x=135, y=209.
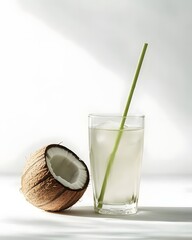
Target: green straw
x=120, y=132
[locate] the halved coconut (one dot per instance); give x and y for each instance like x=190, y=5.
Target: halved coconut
x=54, y=178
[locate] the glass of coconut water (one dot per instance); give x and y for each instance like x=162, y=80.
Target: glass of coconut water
x=115, y=157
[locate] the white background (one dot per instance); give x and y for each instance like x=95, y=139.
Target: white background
x=63, y=59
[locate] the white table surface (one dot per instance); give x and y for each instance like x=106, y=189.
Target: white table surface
x=165, y=212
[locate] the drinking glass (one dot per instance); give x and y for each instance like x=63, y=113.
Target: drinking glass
x=115, y=183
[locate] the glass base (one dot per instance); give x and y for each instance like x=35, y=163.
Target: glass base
x=119, y=209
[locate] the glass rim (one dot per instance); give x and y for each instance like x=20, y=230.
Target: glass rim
x=94, y=115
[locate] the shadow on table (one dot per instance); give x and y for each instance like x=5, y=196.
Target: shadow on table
x=163, y=214
x=95, y=226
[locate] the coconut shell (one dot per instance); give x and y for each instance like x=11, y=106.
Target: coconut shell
x=42, y=190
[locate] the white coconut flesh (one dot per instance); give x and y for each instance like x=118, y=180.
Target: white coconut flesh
x=66, y=168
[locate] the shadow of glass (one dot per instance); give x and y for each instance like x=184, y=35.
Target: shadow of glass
x=159, y=214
